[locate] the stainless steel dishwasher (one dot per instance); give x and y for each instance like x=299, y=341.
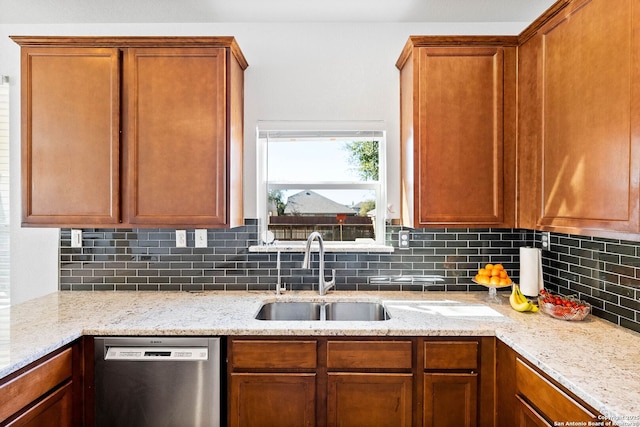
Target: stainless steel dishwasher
x=157, y=381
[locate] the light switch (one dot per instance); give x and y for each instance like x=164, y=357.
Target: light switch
x=76, y=238
x=201, y=238
x=181, y=238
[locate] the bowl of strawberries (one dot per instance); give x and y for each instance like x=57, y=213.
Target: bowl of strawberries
x=561, y=307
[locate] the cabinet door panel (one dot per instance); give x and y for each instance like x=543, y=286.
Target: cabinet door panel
x=54, y=411
x=272, y=400
x=273, y=354
x=460, y=152
x=450, y=400
x=528, y=417
x=379, y=400
x=71, y=136
x=369, y=355
x=451, y=355
x=176, y=112
x=557, y=405
x=30, y=386
x=589, y=150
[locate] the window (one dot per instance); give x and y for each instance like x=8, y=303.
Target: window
x=4, y=192
x=322, y=176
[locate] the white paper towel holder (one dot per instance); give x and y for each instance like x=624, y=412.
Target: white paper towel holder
x=531, y=279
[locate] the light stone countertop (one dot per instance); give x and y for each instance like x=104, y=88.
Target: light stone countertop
x=596, y=360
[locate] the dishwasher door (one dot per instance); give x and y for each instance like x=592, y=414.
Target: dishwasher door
x=157, y=382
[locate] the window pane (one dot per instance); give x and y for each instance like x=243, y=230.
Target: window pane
x=321, y=179
x=294, y=214
x=320, y=160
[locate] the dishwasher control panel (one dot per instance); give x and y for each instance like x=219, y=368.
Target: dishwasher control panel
x=157, y=353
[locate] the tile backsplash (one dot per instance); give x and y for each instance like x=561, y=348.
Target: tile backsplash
x=605, y=272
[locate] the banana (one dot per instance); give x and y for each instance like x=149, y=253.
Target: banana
x=519, y=302
x=534, y=308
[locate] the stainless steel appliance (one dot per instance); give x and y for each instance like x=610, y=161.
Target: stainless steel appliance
x=157, y=381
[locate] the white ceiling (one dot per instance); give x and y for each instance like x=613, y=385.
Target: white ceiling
x=201, y=11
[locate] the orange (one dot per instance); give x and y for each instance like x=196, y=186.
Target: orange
x=488, y=267
x=503, y=274
x=483, y=272
x=483, y=279
x=498, y=266
x=495, y=272
x=505, y=282
x=495, y=280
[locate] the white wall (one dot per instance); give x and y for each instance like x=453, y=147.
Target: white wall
x=341, y=71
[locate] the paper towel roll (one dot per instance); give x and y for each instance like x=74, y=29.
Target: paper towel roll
x=530, y=271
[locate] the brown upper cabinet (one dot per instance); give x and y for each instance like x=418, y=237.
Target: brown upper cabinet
x=132, y=131
x=579, y=119
x=457, y=131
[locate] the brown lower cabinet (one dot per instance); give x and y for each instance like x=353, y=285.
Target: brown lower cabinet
x=364, y=381
x=46, y=393
x=330, y=381
x=270, y=399
x=528, y=398
x=450, y=399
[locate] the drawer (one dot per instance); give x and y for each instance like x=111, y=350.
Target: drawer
x=273, y=354
x=451, y=355
x=527, y=416
x=369, y=354
x=547, y=398
x=54, y=410
x=29, y=386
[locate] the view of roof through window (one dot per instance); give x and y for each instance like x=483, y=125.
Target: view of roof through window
x=322, y=176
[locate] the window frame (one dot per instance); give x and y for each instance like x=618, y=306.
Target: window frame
x=343, y=130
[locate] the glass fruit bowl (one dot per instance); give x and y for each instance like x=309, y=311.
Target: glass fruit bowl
x=564, y=308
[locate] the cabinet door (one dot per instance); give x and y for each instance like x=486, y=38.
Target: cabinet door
x=450, y=400
x=529, y=417
x=54, y=411
x=272, y=400
x=589, y=130
x=556, y=405
x=463, y=163
x=70, y=136
x=359, y=399
x=176, y=136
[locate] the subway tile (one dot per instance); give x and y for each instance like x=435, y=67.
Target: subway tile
x=604, y=271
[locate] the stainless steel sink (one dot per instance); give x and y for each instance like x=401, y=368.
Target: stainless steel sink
x=308, y=310
x=367, y=311
x=290, y=311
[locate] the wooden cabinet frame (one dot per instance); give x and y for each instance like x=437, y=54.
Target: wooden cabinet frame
x=132, y=131
x=399, y=366
x=458, y=131
x=579, y=120
x=47, y=392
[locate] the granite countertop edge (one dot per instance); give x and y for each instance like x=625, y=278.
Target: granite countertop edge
x=598, y=361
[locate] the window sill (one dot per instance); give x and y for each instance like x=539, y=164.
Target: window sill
x=328, y=247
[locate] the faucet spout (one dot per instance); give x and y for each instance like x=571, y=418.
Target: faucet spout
x=323, y=285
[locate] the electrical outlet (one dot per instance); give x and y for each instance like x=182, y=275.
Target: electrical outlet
x=181, y=238
x=201, y=238
x=546, y=240
x=76, y=238
x=403, y=239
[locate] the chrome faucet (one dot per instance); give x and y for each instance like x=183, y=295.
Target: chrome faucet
x=323, y=286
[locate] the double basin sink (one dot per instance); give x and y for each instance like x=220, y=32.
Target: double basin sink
x=317, y=310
